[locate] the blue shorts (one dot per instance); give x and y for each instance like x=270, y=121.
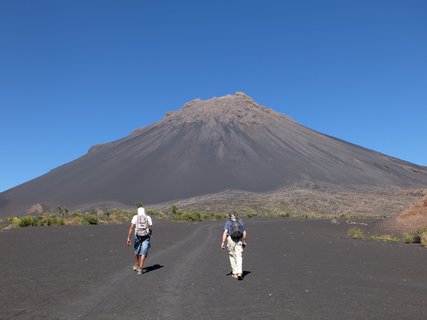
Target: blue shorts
x=141, y=245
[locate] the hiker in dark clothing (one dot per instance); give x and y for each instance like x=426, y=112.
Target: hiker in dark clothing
x=234, y=236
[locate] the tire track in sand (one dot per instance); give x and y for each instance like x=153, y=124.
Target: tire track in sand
x=123, y=293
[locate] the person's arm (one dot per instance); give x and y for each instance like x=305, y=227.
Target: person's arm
x=150, y=225
x=224, y=237
x=130, y=233
x=245, y=236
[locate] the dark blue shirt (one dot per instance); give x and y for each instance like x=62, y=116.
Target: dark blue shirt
x=228, y=224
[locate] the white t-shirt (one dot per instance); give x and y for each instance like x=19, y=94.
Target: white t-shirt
x=135, y=218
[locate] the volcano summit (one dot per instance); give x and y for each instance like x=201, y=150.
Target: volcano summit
x=221, y=151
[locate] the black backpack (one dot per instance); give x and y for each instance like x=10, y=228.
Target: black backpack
x=236, y=230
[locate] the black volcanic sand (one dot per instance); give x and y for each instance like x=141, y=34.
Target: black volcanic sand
x=293, y=270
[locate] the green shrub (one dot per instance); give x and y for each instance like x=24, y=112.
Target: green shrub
x=122, y=215
x=33, y=221
x=138, y=204
x=251, y=214
x=63, y=211
x=205, y=216
x=219, y=216
x=411, y=238
x=385, y=237
x=27, y=221
x=284, y=215
x=151, y=212
x=89, y=219
x=190, y=216
x=56, y=221
x=423, y=238
x=212, y=216
x=356, y=233
x=174, y=209
x=421, y=230
x=44, y=220
x=15, y=221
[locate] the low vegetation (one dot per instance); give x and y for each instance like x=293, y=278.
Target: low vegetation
x=63, y=216
x=89, y=219
x=423, y=239
x=385, y=238
x=356, y=233
x=33, y=221
x=97, y=216
x=192, y=216
x=411, y=238
x=318, y=216
x=416, y=237
x=419, y=236
x=284, y=215
x=422, y=230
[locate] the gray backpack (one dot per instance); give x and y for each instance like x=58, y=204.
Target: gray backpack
x=142, y=228
x=236, y=230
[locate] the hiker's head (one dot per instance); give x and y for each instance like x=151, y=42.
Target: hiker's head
x=141, y=211
x=232, y=215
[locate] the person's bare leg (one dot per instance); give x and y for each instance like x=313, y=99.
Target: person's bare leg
x=136, y=260
x=141, y=262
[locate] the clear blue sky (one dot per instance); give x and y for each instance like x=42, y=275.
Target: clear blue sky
x=81, y=72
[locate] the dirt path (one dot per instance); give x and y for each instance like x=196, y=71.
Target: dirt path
x=294, y=270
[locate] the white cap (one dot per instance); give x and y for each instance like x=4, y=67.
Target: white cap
x=141, y=211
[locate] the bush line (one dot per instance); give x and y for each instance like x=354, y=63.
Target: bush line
x=98, y=216
x=419, y=236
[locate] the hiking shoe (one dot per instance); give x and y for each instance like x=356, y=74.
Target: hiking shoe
x=135, y=268
x=139, y=271
x=234, y=276
x=239, y=277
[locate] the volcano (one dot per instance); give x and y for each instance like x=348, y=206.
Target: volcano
x=223, y=145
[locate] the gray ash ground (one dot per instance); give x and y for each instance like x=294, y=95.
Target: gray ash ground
x=294, y=270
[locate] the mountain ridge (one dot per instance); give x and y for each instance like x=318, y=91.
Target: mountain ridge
x=207, y=147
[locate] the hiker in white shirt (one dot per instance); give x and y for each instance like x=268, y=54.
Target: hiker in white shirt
x=142, y=236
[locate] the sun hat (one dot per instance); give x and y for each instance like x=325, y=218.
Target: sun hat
x=141, y=211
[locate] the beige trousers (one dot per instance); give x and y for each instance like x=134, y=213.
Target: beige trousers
x=235, y=250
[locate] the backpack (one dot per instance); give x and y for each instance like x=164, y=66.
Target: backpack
x=236, y=230
x=142, y=229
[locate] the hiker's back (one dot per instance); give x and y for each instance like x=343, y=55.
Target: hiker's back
x=142, y=226
x=236, y=230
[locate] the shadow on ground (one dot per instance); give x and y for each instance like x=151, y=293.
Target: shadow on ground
x=244, y=273
x=154, y=267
